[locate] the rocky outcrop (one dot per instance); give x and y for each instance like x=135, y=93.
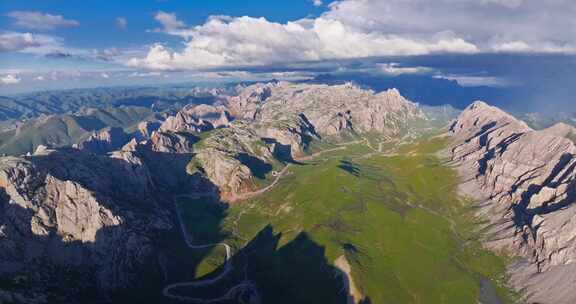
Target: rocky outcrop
x=231, y=158
x=561, y=130
x=104, y=141
x=275, y=123
x=197, y=118
x=289, y=138
x=146, y=128
x=526, y=180
x=172, y=142
x=72, y=210
x=331, y=110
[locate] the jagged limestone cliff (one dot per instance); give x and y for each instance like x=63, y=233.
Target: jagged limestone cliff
x=526, y=180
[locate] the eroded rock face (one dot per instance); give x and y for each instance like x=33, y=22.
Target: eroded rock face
x=146, y=128
x=331, y=110
x=104, y=141
x=289, y=138
x=231, y=158
x=197, y=118
x=561, y=130
x=276, y=122
x=527, y=180
x=171, y=142
x=71, y=210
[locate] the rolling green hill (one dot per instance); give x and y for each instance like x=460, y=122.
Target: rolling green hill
x=67, y=129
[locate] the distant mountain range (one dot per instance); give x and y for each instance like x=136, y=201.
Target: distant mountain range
x=63, y=118
x=544, y=120
x=31, y=105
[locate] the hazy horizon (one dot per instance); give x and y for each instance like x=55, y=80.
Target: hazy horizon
x=512, y=62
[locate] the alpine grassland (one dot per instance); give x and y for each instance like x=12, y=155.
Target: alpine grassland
x=395, y=216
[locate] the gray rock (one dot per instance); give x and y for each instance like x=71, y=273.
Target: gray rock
x=527, y=181
x=104, y=141
x=66, y=208
x=276, y=122
x=197, y=118
x=332, y=110
x=146, y=128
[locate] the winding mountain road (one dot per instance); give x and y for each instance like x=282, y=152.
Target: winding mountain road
x=169, y=292
x=245, y=286
x=247, y=195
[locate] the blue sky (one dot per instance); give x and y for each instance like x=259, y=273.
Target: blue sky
x=98, y=18
x=518, y=52
x=98, y=22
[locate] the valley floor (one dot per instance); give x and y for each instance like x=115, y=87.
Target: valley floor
x=394, y=218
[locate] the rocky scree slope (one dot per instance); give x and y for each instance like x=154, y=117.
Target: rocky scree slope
x=526, y=180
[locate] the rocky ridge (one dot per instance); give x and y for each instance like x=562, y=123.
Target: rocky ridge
x=332, y=110
x=197, y=118
x=104, y=141
x=69, y=213
x=276, y=123
x=96, y=209
x=526, y=180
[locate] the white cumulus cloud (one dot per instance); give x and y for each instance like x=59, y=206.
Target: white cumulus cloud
x=482, y=22
x=224, y=41
x=476, y=81
x=16, y=41
x=369, y=28
x=9, y=79
x=35, y=20
x=541, y=47
x=169, y=21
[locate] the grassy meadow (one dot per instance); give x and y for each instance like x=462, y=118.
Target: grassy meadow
x=396, y=218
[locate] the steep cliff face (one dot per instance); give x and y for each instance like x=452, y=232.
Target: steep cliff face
x=71, y=210
x=197, y=118
x=146, y=128
x=231, y=157
x=527, y=180
x=234, y=157
x=172, y=142
x=104, y=141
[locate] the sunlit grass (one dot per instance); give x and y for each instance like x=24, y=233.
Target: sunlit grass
x=398, y=220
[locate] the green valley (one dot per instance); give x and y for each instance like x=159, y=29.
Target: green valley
x=396, y=218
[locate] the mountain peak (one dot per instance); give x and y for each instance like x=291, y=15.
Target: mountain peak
x=478, y=104
x=393, y=92
x=480, y=116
